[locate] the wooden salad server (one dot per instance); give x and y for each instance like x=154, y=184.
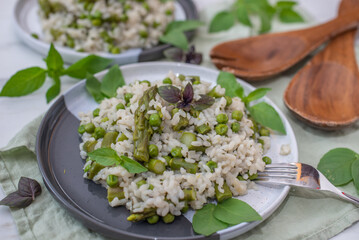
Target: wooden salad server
x=325, y=93
x=260, y=57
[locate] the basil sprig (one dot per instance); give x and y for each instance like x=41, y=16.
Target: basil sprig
x=174, y=33
x=340, y=166
x=31, y=79
x=108, y=157
x=262, y=112
x=243, y=9
x=212, y=218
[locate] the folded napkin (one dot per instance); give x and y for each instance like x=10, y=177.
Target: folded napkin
x=301, y=216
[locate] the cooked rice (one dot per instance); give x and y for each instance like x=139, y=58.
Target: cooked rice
x=72, y=23
x=235, y=154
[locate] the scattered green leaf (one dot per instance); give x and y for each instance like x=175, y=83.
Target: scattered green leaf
x=285, y=5
x=91, y=64
x=131, y=165
x=24, y=82
x=205, y=223
x=243, y=17
x=290, y=16
x=54, y=90
x=355, y=173
x=111, y=81
x=336, y=165
x=183, y=25
x=256, y=94
x=93, y=86
x=176, y=38
x=54, y=60
x=234, y=211
x=105, y=156
x=267, y=116
x=222, y=21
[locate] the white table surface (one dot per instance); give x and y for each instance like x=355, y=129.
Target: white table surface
x=17, y=112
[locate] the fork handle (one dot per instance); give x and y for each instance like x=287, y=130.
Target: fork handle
x=351, y=198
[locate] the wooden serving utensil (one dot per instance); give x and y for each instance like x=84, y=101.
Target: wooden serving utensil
x=264, y=56
x=325, y=93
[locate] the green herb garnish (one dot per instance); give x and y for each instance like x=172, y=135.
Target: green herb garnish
x=243, y=9
x=212, y=218
x=108, y=157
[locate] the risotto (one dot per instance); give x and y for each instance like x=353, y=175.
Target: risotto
x=193, y=153
x=105, y=25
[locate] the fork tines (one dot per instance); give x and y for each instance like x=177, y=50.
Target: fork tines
x=281, y=170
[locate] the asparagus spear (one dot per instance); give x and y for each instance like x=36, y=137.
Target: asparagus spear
x=143, y=131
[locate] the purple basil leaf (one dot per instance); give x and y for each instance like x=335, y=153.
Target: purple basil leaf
x=174, y=54
x=188, y=93
x=16, y=200
x=183, y=105
x=28, y=187
x=203, y=103
x=170, y=93
x=192, y=57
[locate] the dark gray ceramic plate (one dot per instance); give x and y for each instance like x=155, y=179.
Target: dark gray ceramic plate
x=27, y=22
x=60, y=164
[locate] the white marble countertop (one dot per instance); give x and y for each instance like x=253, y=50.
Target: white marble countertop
x=17, y=112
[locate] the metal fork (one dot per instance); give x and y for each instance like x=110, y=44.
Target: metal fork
x=300, y=175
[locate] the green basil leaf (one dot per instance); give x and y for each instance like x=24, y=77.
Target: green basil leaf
x=290, y=16
x=24, y=82
x=240, y=92
x=267, y=116
x=256, y=94
x=131, y=165
x=176, y=38
x=222, y=21
x=54, y=60
x=285, y=4
x=336, y=165
x=355, y=173
x=91, y=64
x=93, y=86
x=229, y=82
x=105, y=156
x=205, y=223
x=111, y=81
x=234, y=211
x=54, y=90
x=266, y=20
x=182, y=26
x=242, y=15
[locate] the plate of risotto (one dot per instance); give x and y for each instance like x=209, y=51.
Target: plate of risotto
x=168, y=142
x=125, y=31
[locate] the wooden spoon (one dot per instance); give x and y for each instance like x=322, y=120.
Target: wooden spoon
x=325, y=93
x=264, y=56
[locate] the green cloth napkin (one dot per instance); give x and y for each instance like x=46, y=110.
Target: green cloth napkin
x=301, y=216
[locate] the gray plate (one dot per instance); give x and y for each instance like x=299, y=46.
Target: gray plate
x=60, y=164
x=27, y=22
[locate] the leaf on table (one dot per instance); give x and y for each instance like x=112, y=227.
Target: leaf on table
x=93, y=86
x=336, y=165
x=267, y=116
x=131, y=165
x=234, y=211
x=355, y=173
x=242, y=15
x=285, y=4
x=290, y=16
x=222, y=21
x=105, y=156
x=28, y=187
x=205, y=223
x=176, y=38
x=16, y=200
x=24, y=82
x=54, y=60
x=91, y=64
x=111, y=81
x=186, y=25
x=54, y=90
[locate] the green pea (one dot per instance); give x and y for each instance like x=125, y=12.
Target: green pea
x=176, y=152
x=128, y=97
x=97, y=14
x=203, y=129
x=261, y=141
x=87, y=168
x=168, y=218
x=151, y=187
x=264, y=132
x=96, y=22
x=221, y=129
x=124, y=18
x=195, y=80
x=155, y=120
x=240, y=178
x=174, y=111
x=167, y=81
x=253, y=176
x=222, y=118
x=255, y=126
x=235, y=127
x=99, y=132
x=182, y=77
x=153, y=150
x=120, y=106
x=146, y=81
x=143, y=34
x=140, y=183
x=96, y=112
x=81, y=129
x=228, y=100
x=212, y=165
x=112, y=180
x=156, y=24
x=168, y=159
x=237, y=115
x=122, y=137
x=105, y=119
x=89, y=128
x=34, y=35
x=169, y=12
x=267, y=160
x=153, y=219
